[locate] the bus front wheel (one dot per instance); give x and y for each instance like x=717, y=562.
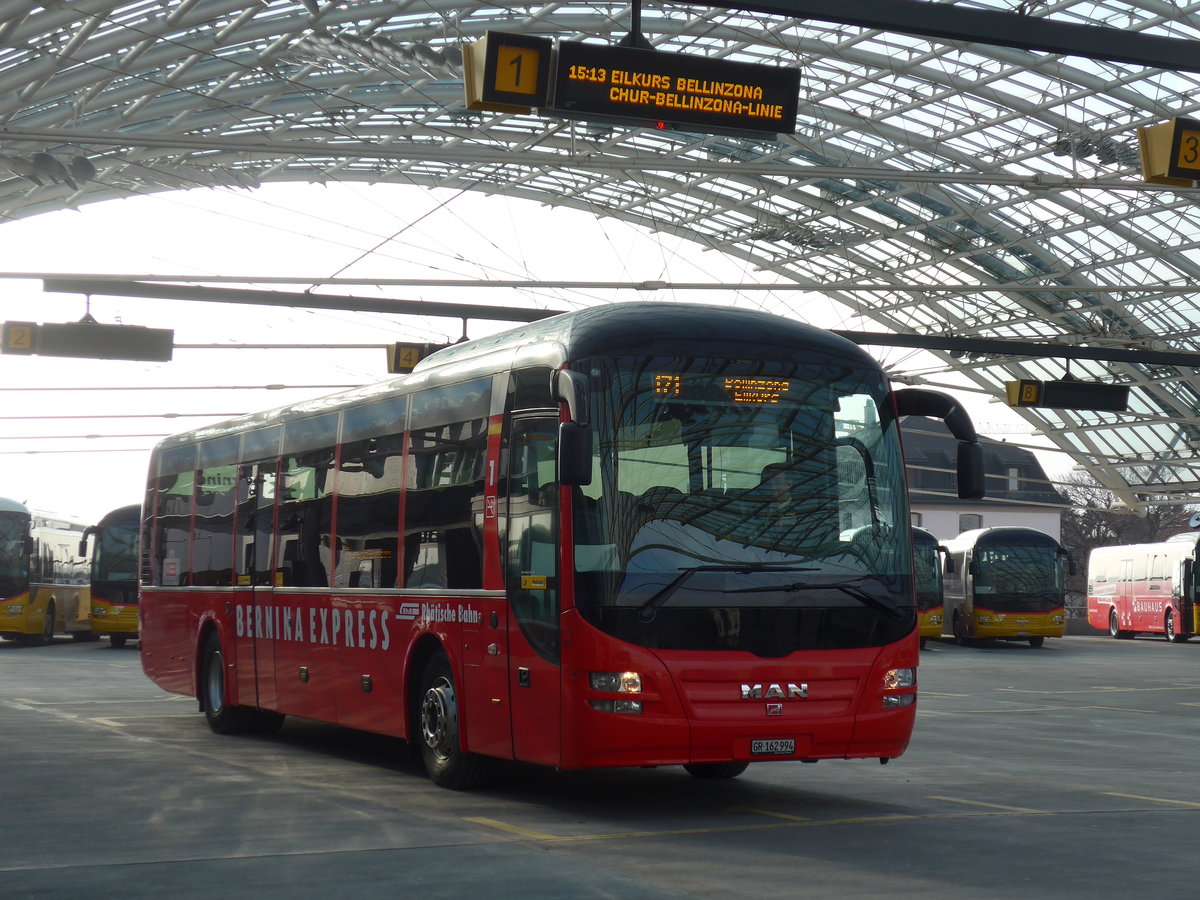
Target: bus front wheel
x=222, y=717
x=1114, y=627
x=448, y=765
x=1036, y=642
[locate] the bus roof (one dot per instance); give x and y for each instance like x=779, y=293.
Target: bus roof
x=12, y=506
x=650, y=326
x=131, y=513
x=615, y=328
x=1000, y=534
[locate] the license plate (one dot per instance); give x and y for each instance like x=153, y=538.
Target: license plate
x=773, y=747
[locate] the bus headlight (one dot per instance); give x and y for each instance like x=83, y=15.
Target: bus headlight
x=894, y=679
x=616, y=682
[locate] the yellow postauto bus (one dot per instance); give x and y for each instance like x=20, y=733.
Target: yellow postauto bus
x=44, y=579
x=1005, y=583
x=114, y=574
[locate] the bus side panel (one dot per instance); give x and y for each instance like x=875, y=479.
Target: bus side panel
x=370, y=692
x=169, y=633
x=297, y=643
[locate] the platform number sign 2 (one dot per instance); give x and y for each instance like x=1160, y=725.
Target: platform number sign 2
x=20, y=337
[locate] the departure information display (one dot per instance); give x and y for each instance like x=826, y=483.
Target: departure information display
x=602, y=82
x=738, y=388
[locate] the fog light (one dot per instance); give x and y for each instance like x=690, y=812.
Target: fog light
x=897, y=701
x=616, y=682
x=629, y=707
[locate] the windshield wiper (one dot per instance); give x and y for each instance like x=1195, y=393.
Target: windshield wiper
x=647, y=610
x=849, y=590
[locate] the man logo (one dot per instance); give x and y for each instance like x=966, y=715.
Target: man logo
x=774, y=691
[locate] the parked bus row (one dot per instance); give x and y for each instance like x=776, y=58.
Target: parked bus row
x=60, y=576
x=1003, y=583
x=1007, y=583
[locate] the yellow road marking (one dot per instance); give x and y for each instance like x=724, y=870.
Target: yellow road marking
x=1154, y=799
x=513, y=829
x=767, y=812
x=1016, y=809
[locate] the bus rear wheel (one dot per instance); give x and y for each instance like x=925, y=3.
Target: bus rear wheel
x=1170, y=631
x=222, y=717
x=716, y=770
x=448, y=765
x=118, y=640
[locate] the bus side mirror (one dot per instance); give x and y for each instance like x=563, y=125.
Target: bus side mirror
x=935, y=405
x=570, y=388
x=972, y=568
x=948, y=569
x=83, y=541
x=574, y=454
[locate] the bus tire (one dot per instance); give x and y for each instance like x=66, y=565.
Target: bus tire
x=47, y=635
x=1036, y=642
x=448, y=765
x=117, y=640
x=1114, y=628
x=960, y=631
x=222, y=718
x=1169, y=630
x=716, y=770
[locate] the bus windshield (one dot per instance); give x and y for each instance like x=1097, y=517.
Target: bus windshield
x=744, y=505
x=927, y=571
x=116, y=556
x=1018, y=569
x=14, y=562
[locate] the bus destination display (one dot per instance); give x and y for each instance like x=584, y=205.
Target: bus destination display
x=739, y=389
x=624, y=84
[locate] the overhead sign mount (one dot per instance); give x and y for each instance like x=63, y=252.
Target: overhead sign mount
x=627, y=84
x=1089, y=395
x=88, y=340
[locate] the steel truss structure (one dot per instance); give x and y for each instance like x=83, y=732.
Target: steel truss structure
x=918, y=163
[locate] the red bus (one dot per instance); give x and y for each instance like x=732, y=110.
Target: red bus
x=1145, y=588
x=636, y=535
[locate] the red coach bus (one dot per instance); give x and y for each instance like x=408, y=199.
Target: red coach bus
x=635, y=535
x=1145, y=588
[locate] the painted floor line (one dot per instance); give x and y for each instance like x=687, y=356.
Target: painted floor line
x=1167, y=800
x=1017, y=809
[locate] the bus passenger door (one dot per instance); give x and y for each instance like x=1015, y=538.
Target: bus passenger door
x=256, y=510
x=531, y=579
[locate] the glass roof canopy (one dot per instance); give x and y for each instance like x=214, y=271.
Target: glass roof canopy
x=979, y=191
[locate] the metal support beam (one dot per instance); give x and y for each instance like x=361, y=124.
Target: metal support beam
x=1046, y=349
x=107, y=288
x=950, y=22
